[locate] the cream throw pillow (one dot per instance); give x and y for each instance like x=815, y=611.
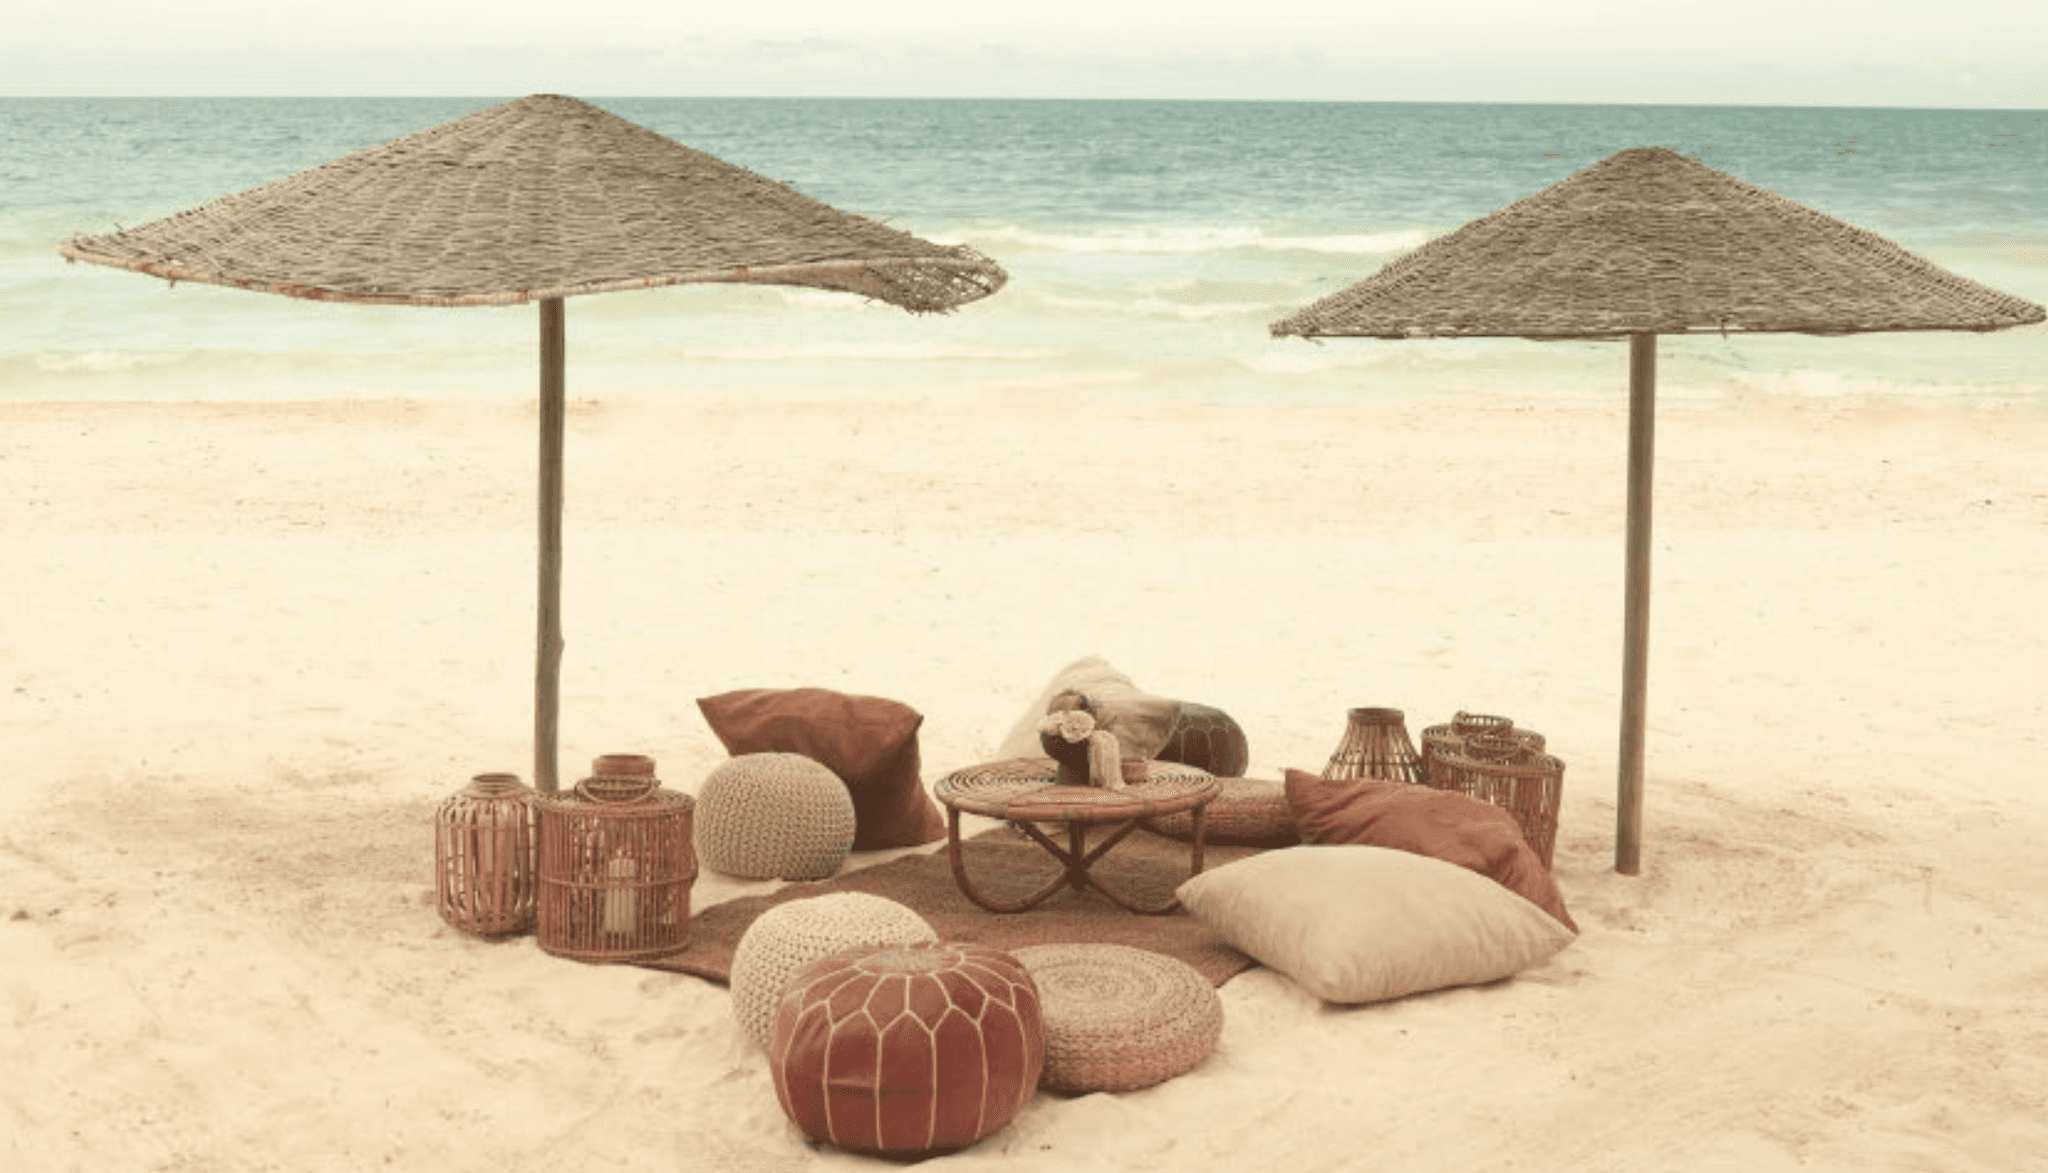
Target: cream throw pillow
x=1364, y=924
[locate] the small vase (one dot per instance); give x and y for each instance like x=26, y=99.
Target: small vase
x=1070, y=756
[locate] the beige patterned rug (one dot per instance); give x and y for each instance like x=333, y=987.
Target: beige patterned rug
x=1004, y=865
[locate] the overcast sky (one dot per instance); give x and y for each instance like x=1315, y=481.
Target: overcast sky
x=1962, y=53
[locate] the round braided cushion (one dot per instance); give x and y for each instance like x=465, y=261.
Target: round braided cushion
x=774, y=816
x=908, y=1052
x=1246, y=812
x=1118, y=1019
x=788, y=937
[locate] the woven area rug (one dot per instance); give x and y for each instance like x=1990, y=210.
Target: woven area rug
x=1005, y=865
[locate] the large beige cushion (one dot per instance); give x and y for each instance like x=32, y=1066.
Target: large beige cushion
x=1365, y=924
x=788, y=938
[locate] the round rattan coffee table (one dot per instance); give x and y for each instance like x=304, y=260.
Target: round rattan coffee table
x=1024, y=792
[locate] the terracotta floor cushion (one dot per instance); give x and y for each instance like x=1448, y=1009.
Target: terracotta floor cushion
x=1441, y=824
x=908, y=1052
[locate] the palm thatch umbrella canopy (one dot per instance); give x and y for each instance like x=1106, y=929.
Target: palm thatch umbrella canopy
x=538, y=199
x=1648, y=242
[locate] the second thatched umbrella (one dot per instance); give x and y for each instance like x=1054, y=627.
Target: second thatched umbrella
x=1648, y=242
x=538, y=199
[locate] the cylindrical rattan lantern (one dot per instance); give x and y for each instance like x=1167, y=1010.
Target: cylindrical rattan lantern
x=1452, y=736
x=1376, y=745
x=1504, y=771
x=616, y=865
x=484, y=836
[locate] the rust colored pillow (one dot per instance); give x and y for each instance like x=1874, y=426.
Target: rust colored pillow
x=870, y=742
x=1445, y=825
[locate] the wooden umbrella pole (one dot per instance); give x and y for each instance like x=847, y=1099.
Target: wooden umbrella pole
x=547, y=671
x=1635, y=637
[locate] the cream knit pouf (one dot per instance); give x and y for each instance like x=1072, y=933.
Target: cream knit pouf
x=787, y=938
x=774, y=816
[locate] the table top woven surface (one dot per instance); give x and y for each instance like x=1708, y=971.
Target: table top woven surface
x=1026, y=790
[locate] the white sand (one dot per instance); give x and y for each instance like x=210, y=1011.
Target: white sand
x=247, y=650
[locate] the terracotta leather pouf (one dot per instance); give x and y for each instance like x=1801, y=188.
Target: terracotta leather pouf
x=908, y=1052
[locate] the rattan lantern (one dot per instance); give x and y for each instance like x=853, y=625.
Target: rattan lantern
x=1376, y=745
x=484, y=836
x=616, y=865
x=1436, y=738
x=1504, y=771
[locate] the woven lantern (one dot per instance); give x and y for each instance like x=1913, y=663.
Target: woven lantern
x=616, y=865
x=1376, y=745
x=1437, y=738
x=484, y=836
x=1504, y=771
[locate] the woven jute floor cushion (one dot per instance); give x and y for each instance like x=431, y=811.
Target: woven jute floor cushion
x=788, y=937
x=1118, y=1019
x=774, y=816
x=908, y=1052
x=1246, y=812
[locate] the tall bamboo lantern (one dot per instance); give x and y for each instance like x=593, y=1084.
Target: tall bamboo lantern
x=484, y=865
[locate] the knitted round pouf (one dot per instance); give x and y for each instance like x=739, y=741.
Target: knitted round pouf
x=1117, y=1018
x=788, y=937
x=774, y=816
x=1246, y=812
x=908, y=1052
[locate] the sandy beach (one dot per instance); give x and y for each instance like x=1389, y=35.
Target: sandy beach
x=249, y=648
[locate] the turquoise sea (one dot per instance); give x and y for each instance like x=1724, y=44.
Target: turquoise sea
x=1148, y=244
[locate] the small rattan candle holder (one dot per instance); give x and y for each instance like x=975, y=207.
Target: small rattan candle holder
x=1376, y=745
x=617, y=860
x=1437, y=738
x=484, y=865
x=1504, y=771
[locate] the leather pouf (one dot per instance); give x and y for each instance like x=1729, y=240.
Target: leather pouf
x=908, y=1052
x=774, y=816
x=1118, y=1019
x=788, y=938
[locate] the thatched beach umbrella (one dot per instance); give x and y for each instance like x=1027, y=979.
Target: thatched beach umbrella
x=536, y=200
x=1648, y=242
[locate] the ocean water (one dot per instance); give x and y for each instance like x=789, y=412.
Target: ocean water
x=1149, y=244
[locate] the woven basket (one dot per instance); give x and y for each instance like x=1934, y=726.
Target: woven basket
x=1117, y=1018
x=1246, y=812
x=616, y=866
x=1452, y=736
x=1507, y=773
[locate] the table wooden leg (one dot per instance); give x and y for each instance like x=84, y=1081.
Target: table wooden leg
x=967, y=888
x=1075, y=859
